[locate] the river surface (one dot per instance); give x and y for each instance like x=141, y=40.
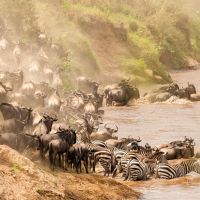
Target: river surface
x=162, y=123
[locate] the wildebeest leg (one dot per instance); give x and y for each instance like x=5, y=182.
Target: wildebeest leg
x=76, y=165
x=54, y=160
x=66, y=161
x=59, y=160
x=94, y=164
x=45, y=151
x=85, y=162
x=41, y=153
x=80, y=165
x=63, y=161
x=91, y=159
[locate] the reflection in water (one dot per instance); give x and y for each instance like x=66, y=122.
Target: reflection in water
x=156, y=124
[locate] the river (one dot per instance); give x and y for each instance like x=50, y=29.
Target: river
x=162, y=123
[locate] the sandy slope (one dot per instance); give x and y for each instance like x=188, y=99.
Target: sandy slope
x=21, y=179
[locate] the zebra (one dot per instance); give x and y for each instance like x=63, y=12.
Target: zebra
x=158, y=156
x=105, y=157
x=120, y=167
x=99, y=143
x=167, y=171
x=137, y=170
x=102, y=155
x=118, y=154
x=186, y=167
x=145, y=151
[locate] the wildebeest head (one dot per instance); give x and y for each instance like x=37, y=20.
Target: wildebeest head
x=134, y=143
x=172, y=88
x=48, y=121
x=191, y=89
x=189, y=142
x=147, y=147
x=25, y=113
x=67, y=134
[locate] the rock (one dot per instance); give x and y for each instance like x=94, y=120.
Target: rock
x=195, y=97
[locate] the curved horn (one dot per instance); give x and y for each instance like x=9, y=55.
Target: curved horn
x=155, y=149
x=116, y=128
x=44, y=114
x=138, y=140
x=105, y=126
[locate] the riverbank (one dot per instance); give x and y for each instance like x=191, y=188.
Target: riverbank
x=22, y=179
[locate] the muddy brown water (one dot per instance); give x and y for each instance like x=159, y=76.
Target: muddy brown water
x=162, y=123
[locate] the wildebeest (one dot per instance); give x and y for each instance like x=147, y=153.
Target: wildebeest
x=116, y=96
x=179, y=149
x=121, y=94
x=39, y=99
x=191, y=89
x=3, y=92
x=13, y=125
x=44, y=143
x=61, y=145
x=172, y=88
x=9, y=111
x=54, y=101
x=183, y=93
x=16, y=78
x=104, y=135
x=44, y=140
x=121, y=143
x=17, y=53
x=44, y=126
x=77, y=153
x=19, y=141
x=87, y=85
x=28, y=88
x=91, y=106
x=57, y=81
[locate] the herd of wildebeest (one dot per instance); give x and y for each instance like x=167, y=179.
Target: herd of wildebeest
x=68, y=126
x=72, y=131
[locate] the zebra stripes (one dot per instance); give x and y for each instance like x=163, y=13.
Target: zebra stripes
x=99, y=143
x=136, y=170
x=105, y=158
x=137, y=164
x=143, y=151
x=118, y=154
x=167, y=171
x=122, y=163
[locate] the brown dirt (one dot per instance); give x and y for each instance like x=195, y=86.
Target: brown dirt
x=109, y=43
x=21, y=179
